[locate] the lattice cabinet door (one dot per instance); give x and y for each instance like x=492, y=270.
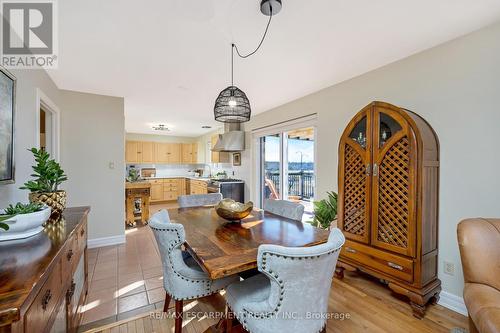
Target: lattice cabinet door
x=354, y=178
x=394, y=183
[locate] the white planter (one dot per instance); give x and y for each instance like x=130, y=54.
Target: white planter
x=25, y=225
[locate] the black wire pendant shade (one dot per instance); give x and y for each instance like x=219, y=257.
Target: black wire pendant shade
x=232, y=104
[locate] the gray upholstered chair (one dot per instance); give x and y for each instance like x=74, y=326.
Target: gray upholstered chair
x=196, y=200
x=292, y=281
x=288, y=209
x=182, y=279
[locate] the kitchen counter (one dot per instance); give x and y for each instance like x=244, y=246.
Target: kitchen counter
x=206, y=179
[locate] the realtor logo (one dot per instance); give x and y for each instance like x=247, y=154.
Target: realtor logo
x=29, y=34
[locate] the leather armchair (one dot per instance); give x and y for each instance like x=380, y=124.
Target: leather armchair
x=479, y=243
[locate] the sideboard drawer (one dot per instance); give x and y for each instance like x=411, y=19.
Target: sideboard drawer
x=45, y=302
x=70, y=255
x=81, y=234
x=379, y=260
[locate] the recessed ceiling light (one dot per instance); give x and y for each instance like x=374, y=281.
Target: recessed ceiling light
x=161, y=127
x=206, y=126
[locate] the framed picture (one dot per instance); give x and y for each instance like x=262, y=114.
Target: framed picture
x=7, y=110
x=237, y=159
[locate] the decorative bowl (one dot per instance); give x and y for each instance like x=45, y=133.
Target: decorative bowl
x=233, y=211
x=25, y=225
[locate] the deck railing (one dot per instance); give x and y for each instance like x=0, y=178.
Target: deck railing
x=300, y=183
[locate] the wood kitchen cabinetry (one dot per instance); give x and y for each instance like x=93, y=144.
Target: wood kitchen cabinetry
x=148, y=152
x=189, y=153
x=167, y=189
x=44, y=278
x=139, y=152
x=218, y=157
x=167, y=153
x=197, y=186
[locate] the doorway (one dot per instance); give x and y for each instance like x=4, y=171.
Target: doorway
x=287, y=169
x=47, y=134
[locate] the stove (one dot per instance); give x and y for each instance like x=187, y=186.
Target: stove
x=228, y=187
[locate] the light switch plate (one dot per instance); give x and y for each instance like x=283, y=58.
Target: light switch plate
x=111, y=165
x=449, y=268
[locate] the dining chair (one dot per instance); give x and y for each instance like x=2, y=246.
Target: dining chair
x=291, y=293
x=285, y=208
x=182, y=279
x=196, y=200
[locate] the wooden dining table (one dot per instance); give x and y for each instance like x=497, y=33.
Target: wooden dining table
x=224, y=248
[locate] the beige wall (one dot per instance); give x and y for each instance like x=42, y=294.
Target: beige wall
x=455, y=87
x=92, y=135
x=25, y=128
x=92, y=131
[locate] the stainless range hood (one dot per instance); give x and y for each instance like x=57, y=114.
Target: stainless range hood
x=232, y=140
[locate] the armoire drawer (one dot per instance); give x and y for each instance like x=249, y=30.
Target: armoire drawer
x=382, y=261
x=45, y=302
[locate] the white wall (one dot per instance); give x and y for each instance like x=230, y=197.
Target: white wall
x=455, y=87
x=159, y=138
x=93, y=137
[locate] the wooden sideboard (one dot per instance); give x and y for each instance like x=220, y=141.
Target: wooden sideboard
x=43, y=279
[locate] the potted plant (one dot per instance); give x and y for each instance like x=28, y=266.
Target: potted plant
x=45, y=187
x=325, y=211
x=23, y=220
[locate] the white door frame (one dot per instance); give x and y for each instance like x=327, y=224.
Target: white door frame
x=44, y=102
x=280, y=128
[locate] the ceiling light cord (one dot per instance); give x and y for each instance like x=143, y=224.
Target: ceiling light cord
x=233, y=47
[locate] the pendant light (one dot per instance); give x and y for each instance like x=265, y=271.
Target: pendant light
x=232, y=104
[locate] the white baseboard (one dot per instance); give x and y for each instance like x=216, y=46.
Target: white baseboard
x=106, y=241
x=452, y=302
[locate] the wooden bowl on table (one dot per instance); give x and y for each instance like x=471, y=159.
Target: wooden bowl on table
x=233, y=211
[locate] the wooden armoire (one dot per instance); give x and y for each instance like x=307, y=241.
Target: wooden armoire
x=388, y=201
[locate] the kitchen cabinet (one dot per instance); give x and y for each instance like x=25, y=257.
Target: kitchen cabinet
x=167, y=153
x=156, y=190
x=197, y=186
x=139, y=152
x=132, y=151
x=167, y=189
x=148, y=152
x=189, y=153
x=218, y=157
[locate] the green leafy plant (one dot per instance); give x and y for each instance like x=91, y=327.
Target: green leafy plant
x=133, y=175
x=47, y=172
x=18, y=209
x=325, y=211
x=21, y=208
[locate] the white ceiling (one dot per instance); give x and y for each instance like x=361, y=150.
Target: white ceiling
x=171, y=58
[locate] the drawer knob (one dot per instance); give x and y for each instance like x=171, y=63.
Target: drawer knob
x=70, y=254
x=46, y=299
x=350, y=250
x=395, y=266
x=71, y=291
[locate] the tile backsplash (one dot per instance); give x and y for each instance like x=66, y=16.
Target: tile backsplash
x=171, y=170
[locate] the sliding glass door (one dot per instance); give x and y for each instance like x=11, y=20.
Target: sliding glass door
x=287, y=166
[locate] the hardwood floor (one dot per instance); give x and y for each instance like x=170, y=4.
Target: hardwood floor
x=364, y=303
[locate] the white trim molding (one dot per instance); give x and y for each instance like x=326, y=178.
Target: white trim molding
x=452, y=302
x=45, y=103
x=106, y=241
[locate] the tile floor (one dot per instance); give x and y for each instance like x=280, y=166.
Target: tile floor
x=125, y=280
